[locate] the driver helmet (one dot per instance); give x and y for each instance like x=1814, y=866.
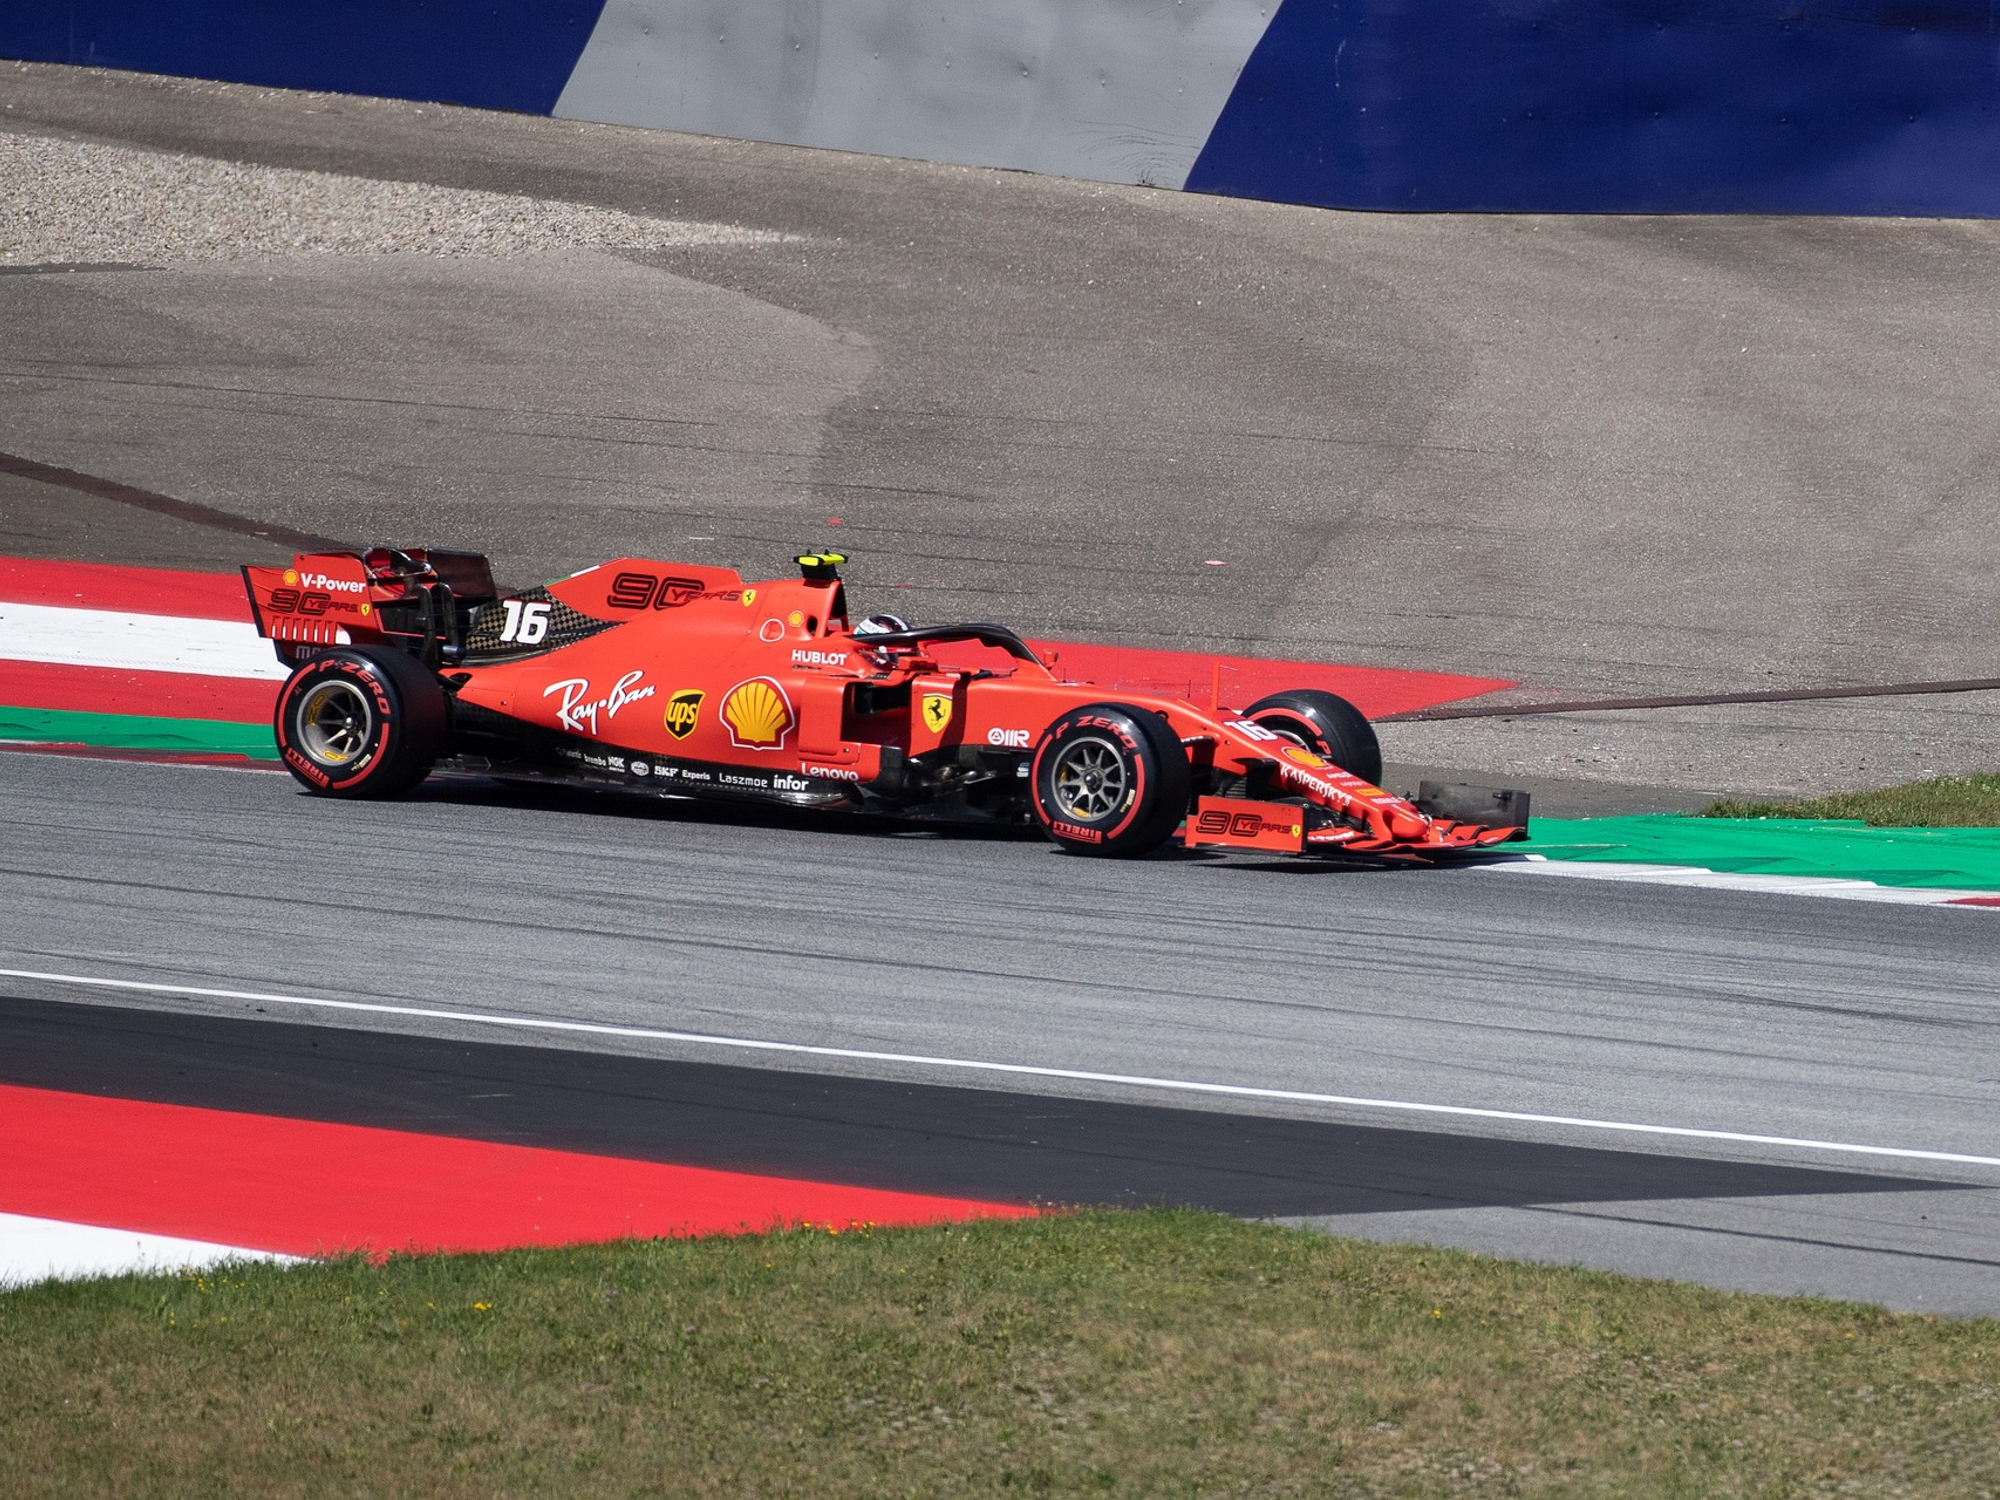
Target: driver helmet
x=882, y=625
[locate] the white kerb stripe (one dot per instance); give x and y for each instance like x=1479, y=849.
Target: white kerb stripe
x=1014, y=1070
x=142, y=643
x=33, y=1250
x=1840, y=888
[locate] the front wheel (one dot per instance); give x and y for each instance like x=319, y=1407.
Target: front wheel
x=1329, y=726
x=361, y=723
x=1110, y=779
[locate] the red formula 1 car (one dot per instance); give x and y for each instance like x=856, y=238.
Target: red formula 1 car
x=684, y=680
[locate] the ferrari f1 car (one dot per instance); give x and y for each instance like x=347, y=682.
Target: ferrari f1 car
x=684, y=680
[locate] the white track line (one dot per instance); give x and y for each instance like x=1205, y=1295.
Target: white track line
x=1016, y=1070
x=33, y=1250
x=1839, y=887
x=142, y=643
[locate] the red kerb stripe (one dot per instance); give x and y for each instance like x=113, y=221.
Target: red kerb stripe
x=153, y=695
x=304, y=1187
x=133, y=591
x=1196, y=676
x=1237, y=681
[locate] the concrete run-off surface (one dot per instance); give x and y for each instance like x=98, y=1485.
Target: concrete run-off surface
x=1601, y=456
x=1689, y=1009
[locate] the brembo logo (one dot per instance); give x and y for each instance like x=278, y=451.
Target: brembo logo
x=337, y=585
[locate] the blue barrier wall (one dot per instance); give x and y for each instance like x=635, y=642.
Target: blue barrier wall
x=1617, y=106
x=498, y=54
x=1627, y=106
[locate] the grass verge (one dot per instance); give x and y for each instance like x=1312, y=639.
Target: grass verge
x=1154, y=1353
x=1946, y=802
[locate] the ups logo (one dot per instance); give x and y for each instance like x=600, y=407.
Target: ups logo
x=683, y=713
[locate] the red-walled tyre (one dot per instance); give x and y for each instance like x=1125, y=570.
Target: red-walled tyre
x=1109, y=779
x=1328, y=726
x=361, y=723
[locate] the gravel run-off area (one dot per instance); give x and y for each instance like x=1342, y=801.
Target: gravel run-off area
x=84, y=203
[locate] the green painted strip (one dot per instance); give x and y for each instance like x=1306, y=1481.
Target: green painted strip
x=56, y=726
x=1955, y=858
x=1962, y=858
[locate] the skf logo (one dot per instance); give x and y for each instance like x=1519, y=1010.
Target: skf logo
x=758, y=715
x=683, y=713
x=1010, y=739
x=937, y=711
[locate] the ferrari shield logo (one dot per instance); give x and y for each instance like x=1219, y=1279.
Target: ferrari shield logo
x=937, y=711
x=683, y=713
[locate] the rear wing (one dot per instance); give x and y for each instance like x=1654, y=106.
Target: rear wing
x=416, y=599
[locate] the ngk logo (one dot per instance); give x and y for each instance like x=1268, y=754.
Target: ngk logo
x=335, y=585
x=1011, y=739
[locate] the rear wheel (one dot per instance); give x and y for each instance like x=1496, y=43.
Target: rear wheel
x=1109, y=779
x=361, y=723
x=1329, y=726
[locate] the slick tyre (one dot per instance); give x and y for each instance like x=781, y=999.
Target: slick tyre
x=1324, y=724
x=1109, y=779
x=361, y=723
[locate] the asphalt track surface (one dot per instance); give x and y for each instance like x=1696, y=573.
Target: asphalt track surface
x=1607, y=457
x=1679, y=1008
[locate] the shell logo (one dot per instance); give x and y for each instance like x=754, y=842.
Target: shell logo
x=291, y=575
x=1303, y=756
x=758, y=715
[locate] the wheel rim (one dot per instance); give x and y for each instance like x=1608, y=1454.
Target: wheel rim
x=1291, y=729
x=1301, y=734
x=1091, y=779
x=335, y=722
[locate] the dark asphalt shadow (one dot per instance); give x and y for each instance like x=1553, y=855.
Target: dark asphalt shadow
x=613, y=802
x=910, y=1137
